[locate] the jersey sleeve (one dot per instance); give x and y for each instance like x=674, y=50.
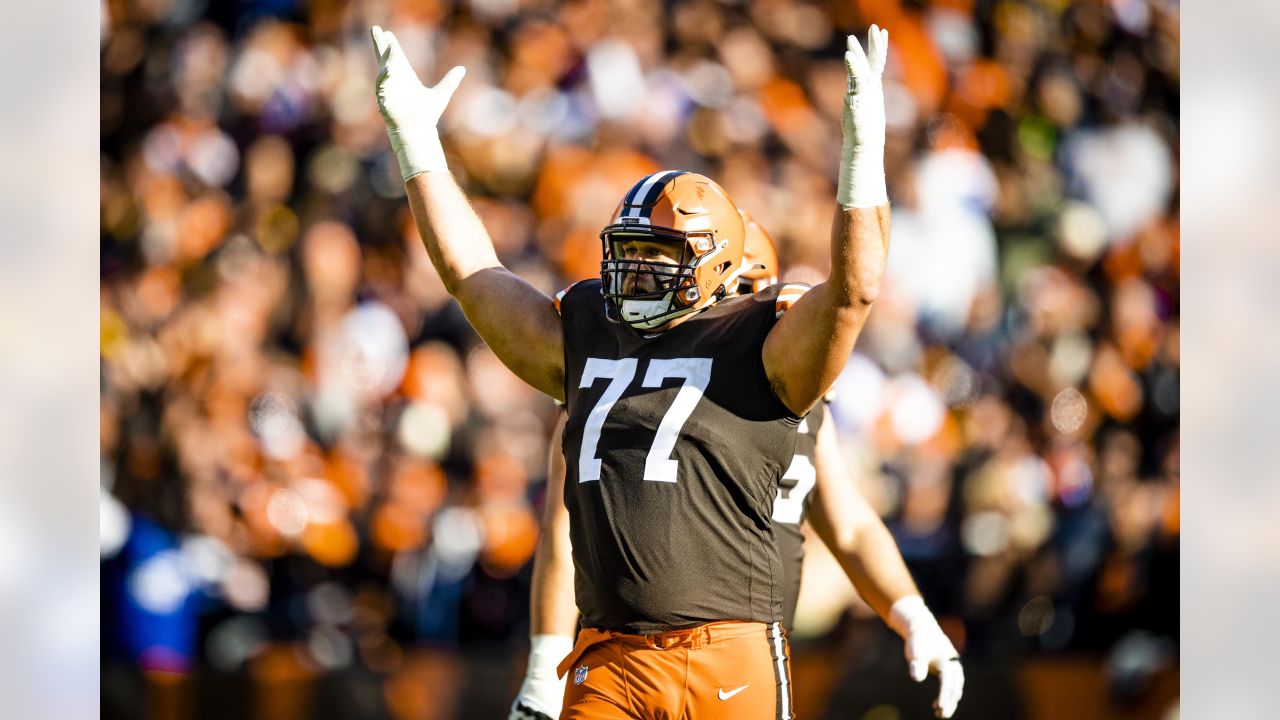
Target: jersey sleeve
x=788, y=295
x=559, y=298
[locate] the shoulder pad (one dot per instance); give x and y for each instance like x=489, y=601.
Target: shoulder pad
x=788, y=294
x=555, y=301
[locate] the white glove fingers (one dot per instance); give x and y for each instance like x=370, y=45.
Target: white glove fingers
x=877, y=48
x=851, y=44
x=958, y=685
x=396, y=57
x=450, y=82
x=856, y=68
x=950, y=688
x=884, y=51
x=379, y=44
x=855, y=60
x=918, y=669
x=873, y=42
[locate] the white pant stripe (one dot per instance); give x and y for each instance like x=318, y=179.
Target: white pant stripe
x=780, y=664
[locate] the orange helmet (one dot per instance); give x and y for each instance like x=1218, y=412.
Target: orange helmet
x=760, y=258
x=685, y=208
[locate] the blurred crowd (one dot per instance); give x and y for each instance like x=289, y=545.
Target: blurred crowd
x=311, y=464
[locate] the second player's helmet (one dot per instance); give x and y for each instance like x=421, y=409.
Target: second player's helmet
x=696, y=215
x=760, y=257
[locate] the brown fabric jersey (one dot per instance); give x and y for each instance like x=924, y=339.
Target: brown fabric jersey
x=674, y=448
x=791, y=506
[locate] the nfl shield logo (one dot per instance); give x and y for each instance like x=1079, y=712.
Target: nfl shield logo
x=579, y=674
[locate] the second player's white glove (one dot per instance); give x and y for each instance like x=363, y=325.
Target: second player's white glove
x=862, y=156
x=928, y=649
x=410, y=109
x=542, y=693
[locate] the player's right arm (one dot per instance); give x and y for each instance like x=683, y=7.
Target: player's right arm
x=553, y=614
x=808, y=347
x=517, y=321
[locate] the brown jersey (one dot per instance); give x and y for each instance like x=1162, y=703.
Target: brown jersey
x=674, y=447
x=791, y=505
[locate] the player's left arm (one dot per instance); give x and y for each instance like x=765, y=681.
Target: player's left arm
x=860, y=542
x=553, y=614
x=552, y=607
x=809, y=345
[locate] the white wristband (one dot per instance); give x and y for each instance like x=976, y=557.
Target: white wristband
x=418, y=154
x=862, y=182
x=546, y=652
x=908, y=614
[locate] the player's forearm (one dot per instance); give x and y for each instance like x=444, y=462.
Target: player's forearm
x=455, y=238
x=877, y=569
x=834, y=313
x=859, y=253
x=852, y=530
x=869, y=556
x=553, y=613
x=552, y=609
x=864, y=548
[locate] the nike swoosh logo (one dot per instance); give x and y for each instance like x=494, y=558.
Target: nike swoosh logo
x=726, y=695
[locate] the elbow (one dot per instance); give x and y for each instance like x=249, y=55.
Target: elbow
x=469, y=282
x=857, y=288
x=841, y=538
x=859, y=295
x=865, y=296
x=848, y=534
x=847, y=542
x=455, y=283
x=866, y=286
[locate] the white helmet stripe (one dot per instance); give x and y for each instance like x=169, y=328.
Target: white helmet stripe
x=638, y=202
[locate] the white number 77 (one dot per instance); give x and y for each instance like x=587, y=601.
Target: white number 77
x=658, y=465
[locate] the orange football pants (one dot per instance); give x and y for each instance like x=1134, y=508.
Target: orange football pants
x=717, y=671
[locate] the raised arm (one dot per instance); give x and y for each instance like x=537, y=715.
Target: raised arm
x=810, y=344
x=861, y=543
x=517, y=321
x=553, y=614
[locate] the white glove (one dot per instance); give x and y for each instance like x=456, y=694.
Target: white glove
x=410, y=109
x=862, y=157
x=542, y=694
x=928, y=649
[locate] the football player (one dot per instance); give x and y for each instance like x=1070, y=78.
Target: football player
x=817, y=477
x=683, y=401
